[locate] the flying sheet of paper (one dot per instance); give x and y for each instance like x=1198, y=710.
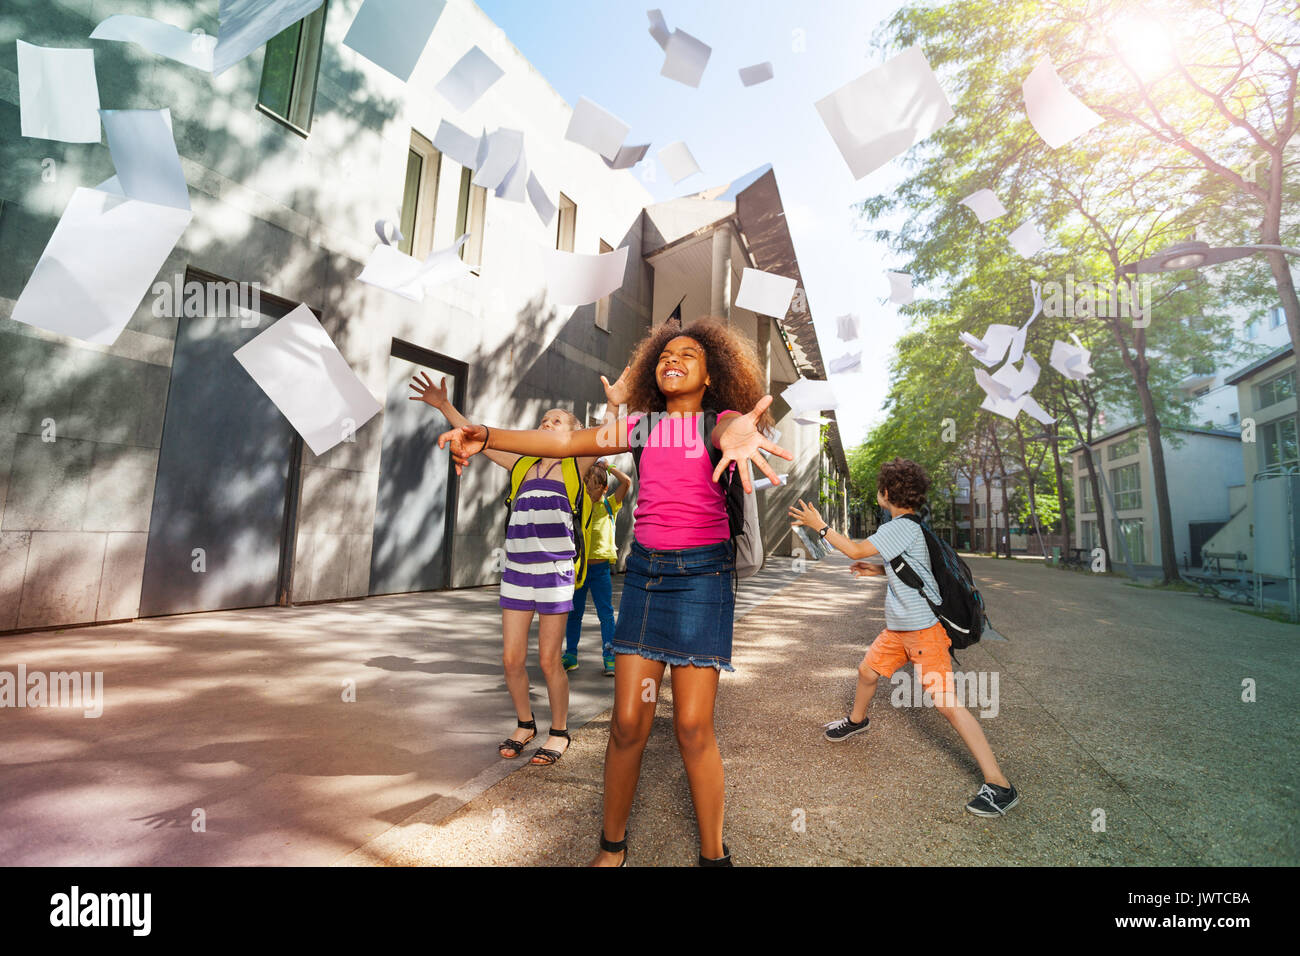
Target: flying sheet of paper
x=159, y=38
x=852, y=362
x=810, y=395
x=990, y=349
x=504, y=148
x=885, y=111
x=761, y=484
x=1018, y=381
x=846, y=327
x=628, y=156
x=541, y=202
x=758, y=73
x=985, y=204
x=454, y=142
x=1071, y=360
x=1033, y=409
x=512, y=186
x=110, y=242
x=246, y=25
x=992, y=388
x=58, y=97
x=1057, y=114
x=679, y=162
x=900, y=288
x=299, y=368
x=658, y=27
x=576, y=279
x=1006, y=407
x=388, y=268
x=596, y=128
x=388, y=232
x=393, y=33
x=1018, y=340
x=765, y=293
x=685, y=58
x=1027, y=240
x=812, y=420
x=469, y=79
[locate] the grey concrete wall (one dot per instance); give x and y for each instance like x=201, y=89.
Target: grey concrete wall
x=295, y=215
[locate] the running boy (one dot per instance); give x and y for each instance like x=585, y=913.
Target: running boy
x=912, y=632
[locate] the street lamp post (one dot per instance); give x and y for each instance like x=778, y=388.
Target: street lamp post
x=1194, y=255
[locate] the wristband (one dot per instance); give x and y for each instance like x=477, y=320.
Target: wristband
x=822, y=532
x=487, y=433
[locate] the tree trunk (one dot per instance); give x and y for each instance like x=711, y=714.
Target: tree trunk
x=1060, y=490
x=1164, y=514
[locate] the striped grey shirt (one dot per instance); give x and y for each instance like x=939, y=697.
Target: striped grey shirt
x=905, y=608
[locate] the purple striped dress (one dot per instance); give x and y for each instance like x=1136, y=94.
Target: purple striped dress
x=539, y=570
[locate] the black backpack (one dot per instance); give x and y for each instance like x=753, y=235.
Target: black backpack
x=961, y=610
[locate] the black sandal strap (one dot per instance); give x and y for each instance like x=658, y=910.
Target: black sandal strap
x=548, y=756
x=724, y=860
x=611, y=847
x=530, y=724
x=561, y=733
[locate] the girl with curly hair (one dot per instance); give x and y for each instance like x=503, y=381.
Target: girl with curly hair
x=677, y=603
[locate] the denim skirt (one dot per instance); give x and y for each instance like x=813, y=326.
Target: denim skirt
x=678, y=606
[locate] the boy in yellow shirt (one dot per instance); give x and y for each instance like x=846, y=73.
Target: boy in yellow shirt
x=602, y=551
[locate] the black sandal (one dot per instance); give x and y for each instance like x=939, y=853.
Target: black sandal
x=550, y=756
x=724, y=860
x=518, y=745
x=619, y=847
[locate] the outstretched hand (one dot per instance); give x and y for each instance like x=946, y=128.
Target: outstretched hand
x=617, y=393
x=743, y=443
x=862, y=569
x=427, y=392
x=465, y=443
x=806, y=515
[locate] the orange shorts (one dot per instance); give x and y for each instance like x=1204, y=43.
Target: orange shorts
x=926, y=649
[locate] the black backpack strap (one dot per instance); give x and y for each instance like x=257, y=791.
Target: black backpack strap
x=637, y=436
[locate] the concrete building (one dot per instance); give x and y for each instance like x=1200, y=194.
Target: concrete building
x=1214, y=398
x=1270, y=455
x=153, y=477
x=1200, y=464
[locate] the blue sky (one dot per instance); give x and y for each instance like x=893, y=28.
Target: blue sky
x=602, y=49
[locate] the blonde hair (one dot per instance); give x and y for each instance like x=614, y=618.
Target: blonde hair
x=570, y=419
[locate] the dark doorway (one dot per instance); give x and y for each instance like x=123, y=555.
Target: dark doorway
x=1199, y=532
x=225, y=497
x=415, y=514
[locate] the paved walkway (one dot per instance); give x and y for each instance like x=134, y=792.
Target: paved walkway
x=1111, y=698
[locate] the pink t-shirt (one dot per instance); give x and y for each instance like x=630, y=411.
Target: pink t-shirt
x=678, y=504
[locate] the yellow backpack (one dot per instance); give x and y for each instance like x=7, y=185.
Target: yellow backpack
x=579, y=506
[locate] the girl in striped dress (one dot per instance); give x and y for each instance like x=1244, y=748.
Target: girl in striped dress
x=538, y=578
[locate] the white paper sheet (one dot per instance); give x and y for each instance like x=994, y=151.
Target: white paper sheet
x=812, y=420
x=1071, y=360
x=679, y=162
x=469, y=79
x=388, y=232
x=454, y=142
x=1033, y=409
x=390, y=269
x=504, y=147
x=990, y=349
x=596, y=128
x=393, y=33
x=576, y=279
x=58, y=97
x=299, y=368
x=985, y=204
x=685, y=58
x=246, y=25
x=541, y=202
x=851, y=362
x=900, y=288
x=658, y=27
x=1057, y=114
x=512, y=185
x=992, y=388
x=159, y=38
x=1018, y=381
x=758, y=73
x=110, y=242
x=885, y=111
x=809, y=395
x=765, y=293
x=1018, y=339
x=1027, y=240
x=1007, y=408
x=846, y=327
x=761, y=484
x=628, y=156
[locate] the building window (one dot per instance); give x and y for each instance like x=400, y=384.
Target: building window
x=1252, y=329
x=290, y=66
x=1276, y=317
x=1129, y=446
x=1127, y=483
x=602, y=305
x=1280, y=445
x=1203, y=390
x=1275, y=390
x=1087, y=503
x=1088, y=535
x=471, y=214
x=419, y=200
x=1233, y=419
x=566, y=226
x=1130, y=529
x=977, y=509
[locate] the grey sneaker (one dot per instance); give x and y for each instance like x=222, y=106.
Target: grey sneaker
x=844, y=728
x=993, y=801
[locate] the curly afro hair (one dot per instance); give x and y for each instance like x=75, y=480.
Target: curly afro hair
x=735, y=377
x=904, y=483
